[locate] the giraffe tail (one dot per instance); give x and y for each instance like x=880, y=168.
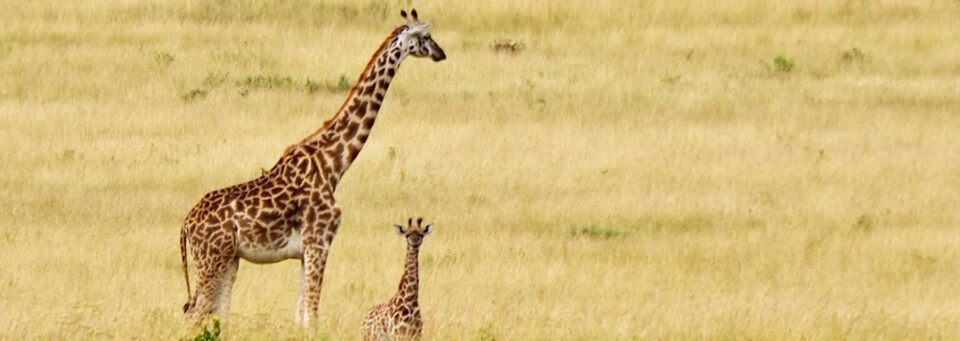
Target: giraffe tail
x=186, y=273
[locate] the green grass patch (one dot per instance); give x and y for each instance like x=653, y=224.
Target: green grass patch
x=783, y=64
x=209, y=334
x=597, y=231
x=854, y=55
x=193, y=94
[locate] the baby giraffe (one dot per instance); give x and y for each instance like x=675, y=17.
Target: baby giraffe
x=399, y=318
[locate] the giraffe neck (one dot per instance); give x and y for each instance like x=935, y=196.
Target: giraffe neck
x=340, y=139
x=410, y=282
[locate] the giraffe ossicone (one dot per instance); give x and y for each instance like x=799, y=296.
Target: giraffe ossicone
x=289, y=212
x=399, y=317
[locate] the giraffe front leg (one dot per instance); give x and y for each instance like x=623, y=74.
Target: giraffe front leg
x=316, y=247
x=313, y=279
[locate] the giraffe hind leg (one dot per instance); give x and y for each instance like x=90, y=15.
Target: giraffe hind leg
x=212, y=277
x=190, y=303
x=223, y=303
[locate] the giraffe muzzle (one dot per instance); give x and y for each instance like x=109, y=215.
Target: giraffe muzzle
x=437, y=54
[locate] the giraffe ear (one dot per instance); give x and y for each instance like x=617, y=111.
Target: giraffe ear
x=428, y=229
x=398, y=228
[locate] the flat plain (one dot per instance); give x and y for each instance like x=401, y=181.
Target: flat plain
x=595, y=170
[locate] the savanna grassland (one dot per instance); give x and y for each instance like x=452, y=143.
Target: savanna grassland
x=608, y=170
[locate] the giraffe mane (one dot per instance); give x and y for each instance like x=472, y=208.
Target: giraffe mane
x=383, y=46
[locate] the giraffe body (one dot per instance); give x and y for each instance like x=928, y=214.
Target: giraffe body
x=290, y=212
x=399, y=317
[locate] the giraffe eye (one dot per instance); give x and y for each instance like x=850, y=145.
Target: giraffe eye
x=426, y=37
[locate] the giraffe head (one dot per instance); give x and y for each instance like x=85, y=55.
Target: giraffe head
x=414, y=38
x=414, y=233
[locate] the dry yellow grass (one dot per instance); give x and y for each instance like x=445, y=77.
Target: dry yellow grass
x=636, y=170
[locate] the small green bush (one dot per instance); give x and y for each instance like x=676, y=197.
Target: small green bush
x=209, y=334
x=193, y=94
x=163, y=58
x=671, y=79
x=782, y=64
x=852, y=56
x=594, y=231
x=344, y=83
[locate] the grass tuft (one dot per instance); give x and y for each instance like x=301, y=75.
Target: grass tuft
x=215, y=79
x=265, y=82
x=194, y=94
x=163, y=59
x=209, y=334
x=865, y=222
x=783, y=64
x=343, y=84
x=671, y=79
x=597, y=231
x=854, y=55
x=507, y=46
x=486, y=333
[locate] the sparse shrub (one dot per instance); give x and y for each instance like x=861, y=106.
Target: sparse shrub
x=446, y=259
x=209, y=334
x=163, y=58
x=508, y=46
x=782, y=64
x=671, y=79
x=193, y=94
x=392, y=153
x=486, y=333
x=215, y=79
x=286, y=83
x=270, y=82
x=852, y=56
x=921, y=259
x=355, y=288
x=594, y=231
x=865, y=222
x=69, y=155
x=924, y=265
x=311, y=86
x=265, y=82
x=344, y=83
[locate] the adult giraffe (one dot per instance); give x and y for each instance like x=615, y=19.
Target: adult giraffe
x=289, y=212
